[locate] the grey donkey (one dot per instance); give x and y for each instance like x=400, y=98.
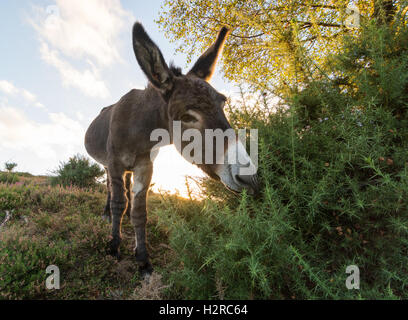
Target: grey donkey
x=119, y=137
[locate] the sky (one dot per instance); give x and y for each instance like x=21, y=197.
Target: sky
x=61, y=62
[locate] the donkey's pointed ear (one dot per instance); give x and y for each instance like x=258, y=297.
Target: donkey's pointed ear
x=205, y=65
x=151, y=60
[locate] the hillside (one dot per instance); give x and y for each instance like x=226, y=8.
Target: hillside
x=63, y=226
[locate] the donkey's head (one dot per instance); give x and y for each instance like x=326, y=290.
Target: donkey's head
x=196, y=108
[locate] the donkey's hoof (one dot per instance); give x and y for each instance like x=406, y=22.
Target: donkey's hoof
x=113, y=249
x=113, y=253
x=146, y=271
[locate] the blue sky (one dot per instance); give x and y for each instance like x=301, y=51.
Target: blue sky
x=62, y=61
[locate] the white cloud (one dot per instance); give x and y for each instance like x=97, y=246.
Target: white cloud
x=138, y=86
x=10, y=89
x=56, y=139
x=88, y=81
x=28, y=96
x=39, y=105
x=83, y=30
x=79, y=115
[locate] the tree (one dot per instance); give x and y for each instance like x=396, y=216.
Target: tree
x=9, y=166
x=274, y=45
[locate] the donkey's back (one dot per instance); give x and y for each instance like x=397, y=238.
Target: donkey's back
x=125, y=125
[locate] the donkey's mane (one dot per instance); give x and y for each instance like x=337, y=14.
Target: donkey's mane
x=175, y=70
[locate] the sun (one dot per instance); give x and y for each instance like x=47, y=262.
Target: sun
x=170, y=171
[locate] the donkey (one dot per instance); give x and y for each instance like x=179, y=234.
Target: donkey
x=119, y=137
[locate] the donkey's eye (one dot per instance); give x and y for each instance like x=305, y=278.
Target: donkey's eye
x=188, y=118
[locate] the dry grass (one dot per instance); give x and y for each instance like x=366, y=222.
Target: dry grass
x=150, y=288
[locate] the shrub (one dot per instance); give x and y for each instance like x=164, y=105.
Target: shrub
x=78, y=171
x=11, y=197
x=8, y=177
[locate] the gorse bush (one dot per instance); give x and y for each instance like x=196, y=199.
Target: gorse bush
x=333, y=196
x=78, y=171
x=334, y=169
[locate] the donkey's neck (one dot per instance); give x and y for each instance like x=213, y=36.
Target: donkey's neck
x=156, y=107
x=137, y=115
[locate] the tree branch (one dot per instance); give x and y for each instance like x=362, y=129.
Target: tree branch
x=248, y=37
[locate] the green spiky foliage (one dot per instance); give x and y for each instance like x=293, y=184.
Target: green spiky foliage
x=334, y=169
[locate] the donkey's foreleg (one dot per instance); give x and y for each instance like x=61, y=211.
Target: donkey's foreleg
x=107, y=212
x=118, y=206
x=142, y=176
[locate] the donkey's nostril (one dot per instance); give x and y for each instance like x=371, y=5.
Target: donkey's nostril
x=248, y=181
x=238, y=179
x=244, y=180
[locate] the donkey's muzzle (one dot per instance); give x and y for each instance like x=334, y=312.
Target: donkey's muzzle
x=249, y=182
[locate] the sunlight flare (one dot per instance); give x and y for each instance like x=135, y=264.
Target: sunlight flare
x=171, y=171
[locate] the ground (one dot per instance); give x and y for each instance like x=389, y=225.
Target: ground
x=63, y=226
